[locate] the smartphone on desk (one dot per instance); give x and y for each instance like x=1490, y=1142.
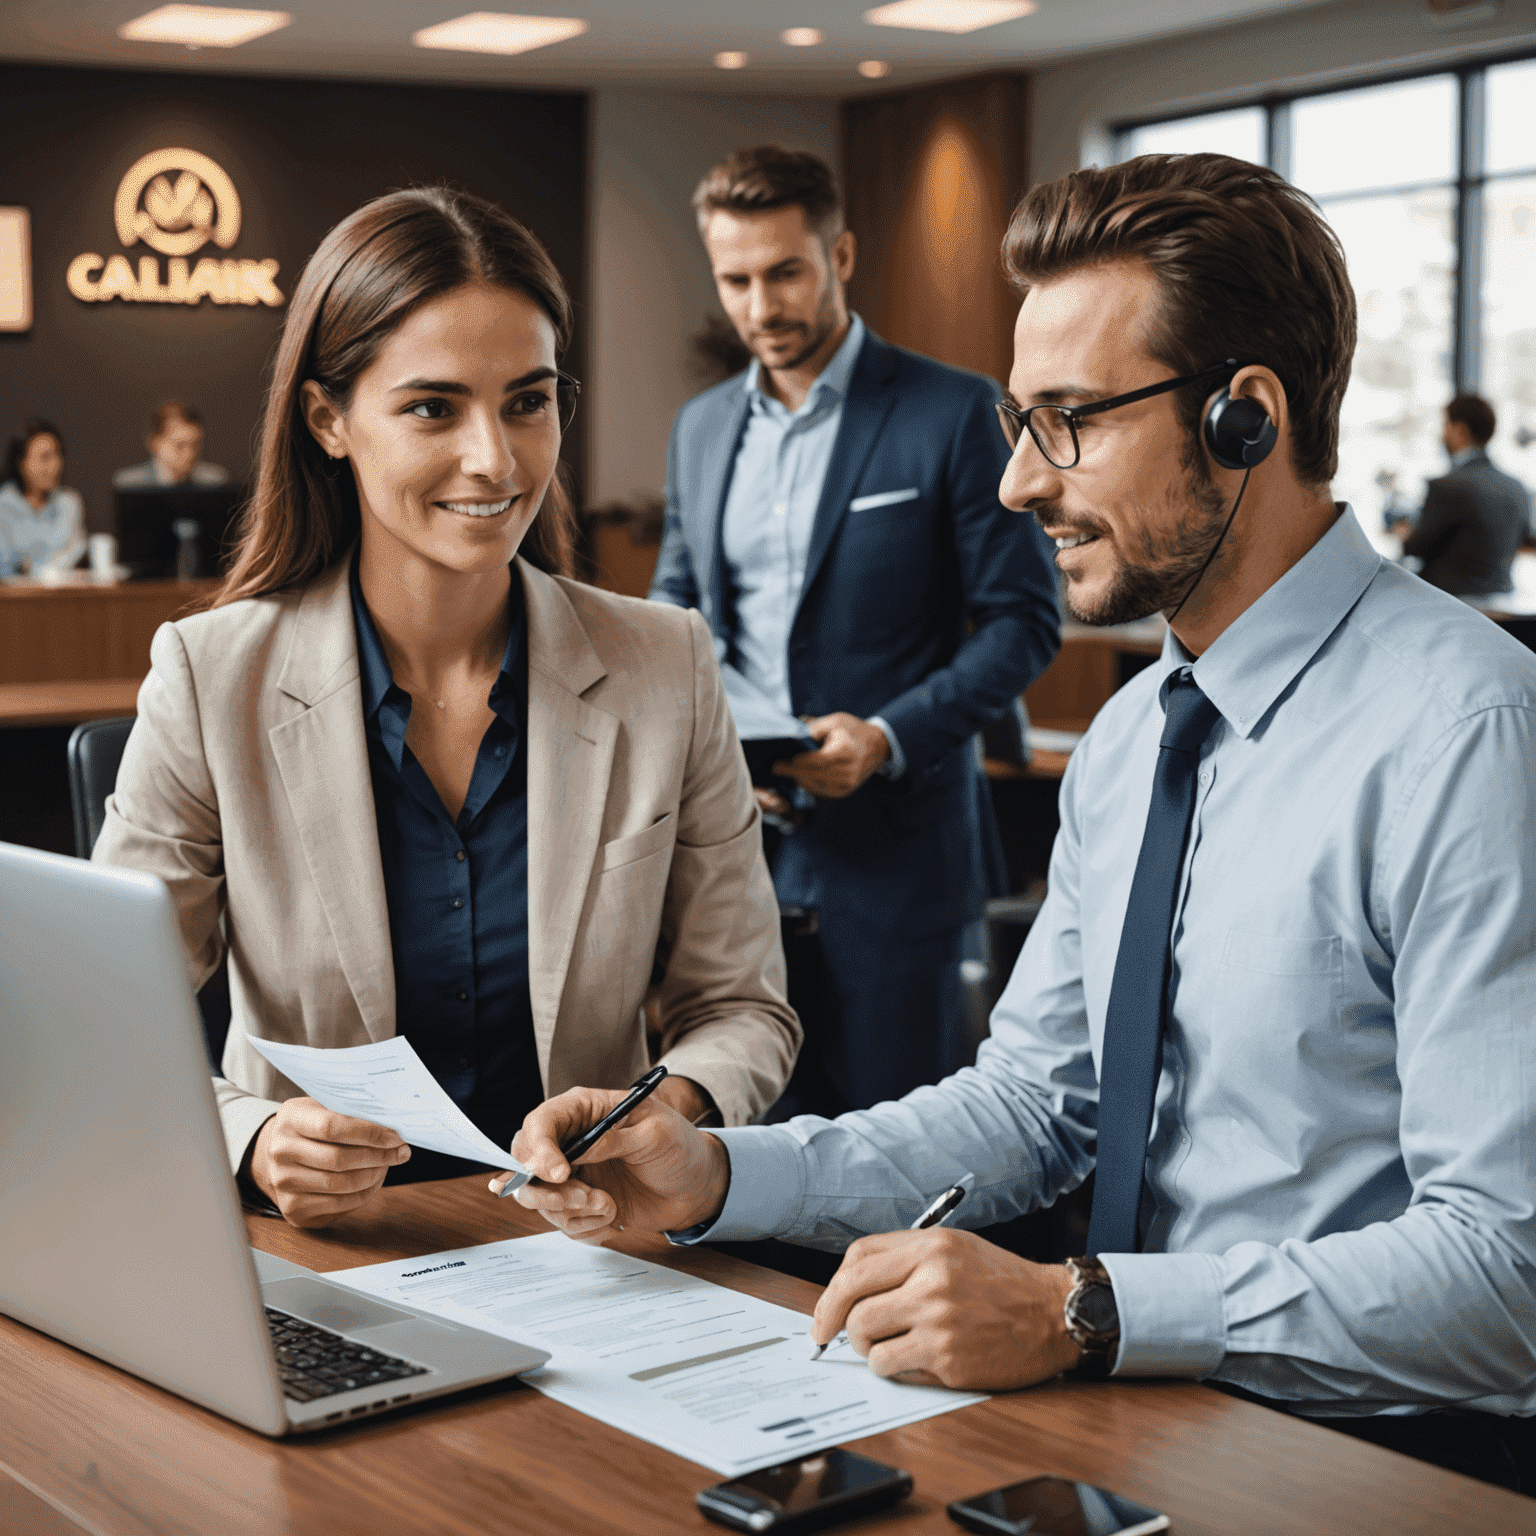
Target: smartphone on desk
x=805, y=1495
x=1053, y=1506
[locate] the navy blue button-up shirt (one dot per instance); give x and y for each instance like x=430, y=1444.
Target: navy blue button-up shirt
x=457, y=893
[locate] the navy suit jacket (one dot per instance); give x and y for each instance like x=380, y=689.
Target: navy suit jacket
x=933, y=613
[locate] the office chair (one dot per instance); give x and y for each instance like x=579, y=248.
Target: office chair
x=95, y=750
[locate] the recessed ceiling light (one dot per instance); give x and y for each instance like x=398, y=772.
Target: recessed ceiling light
x=732, y=60
x=496, y=32
x=202, y=26
x=949, y=15
x=874, y=69
x=801, y=37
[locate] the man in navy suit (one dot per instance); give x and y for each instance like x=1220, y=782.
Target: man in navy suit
x=833, y=513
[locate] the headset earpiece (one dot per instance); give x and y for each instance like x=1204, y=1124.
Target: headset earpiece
x=1238, y=431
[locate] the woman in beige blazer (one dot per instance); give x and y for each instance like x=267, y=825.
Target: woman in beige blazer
x=399, y=703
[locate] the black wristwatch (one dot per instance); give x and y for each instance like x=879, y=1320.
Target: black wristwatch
x=1093, y=1319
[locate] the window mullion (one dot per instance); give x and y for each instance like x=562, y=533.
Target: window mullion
x=1471, y=163
x=1278, y=138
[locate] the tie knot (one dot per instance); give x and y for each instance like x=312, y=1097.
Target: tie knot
x=1187, y=716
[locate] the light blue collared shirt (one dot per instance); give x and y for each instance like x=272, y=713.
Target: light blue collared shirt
x=52, y=537
x=1340, y=1199
x=770, y=510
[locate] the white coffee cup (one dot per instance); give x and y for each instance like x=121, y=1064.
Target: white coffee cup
x=103, y=553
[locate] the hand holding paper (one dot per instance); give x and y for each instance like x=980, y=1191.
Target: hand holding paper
x=388, y=1083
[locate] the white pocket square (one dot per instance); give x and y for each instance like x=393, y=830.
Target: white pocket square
x=882, y=499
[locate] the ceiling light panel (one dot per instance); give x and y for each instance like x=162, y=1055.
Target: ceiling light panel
x=874, y=69
x=801, y=37
x=496, y=32
x=202, y=26
x=949, y=15
x=731, y=59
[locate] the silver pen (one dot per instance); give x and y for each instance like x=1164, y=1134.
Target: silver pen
x=941, y=1209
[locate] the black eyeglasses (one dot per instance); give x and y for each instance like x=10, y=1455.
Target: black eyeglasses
x=1054, y=427
x=567, y=393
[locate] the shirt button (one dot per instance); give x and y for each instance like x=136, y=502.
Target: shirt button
x=458, y=901
x=1205, y=778
x=498, y=751
x=463, y=995
x=460, y=855
x=464, y=1061
x=779, y=509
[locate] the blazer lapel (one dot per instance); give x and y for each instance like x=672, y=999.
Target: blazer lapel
x=570, y=758
x=869, y=402
x=721, y=438
x=322, y=759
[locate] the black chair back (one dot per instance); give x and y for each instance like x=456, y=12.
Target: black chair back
x=95, y=751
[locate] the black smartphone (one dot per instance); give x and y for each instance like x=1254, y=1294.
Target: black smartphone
x=805, y=1495
x=1052, y=1506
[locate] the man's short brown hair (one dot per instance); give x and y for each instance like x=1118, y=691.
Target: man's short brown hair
x=1475, y=414
x=767, y=177
x=173, y=410
x=1247, y=269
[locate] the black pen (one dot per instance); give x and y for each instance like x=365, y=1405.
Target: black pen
x=946, y=1205
x=644, y=1087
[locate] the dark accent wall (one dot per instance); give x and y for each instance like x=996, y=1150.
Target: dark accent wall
x=302, y=155
x=931, y=176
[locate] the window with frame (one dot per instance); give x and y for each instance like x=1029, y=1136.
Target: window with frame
x=1430, y=185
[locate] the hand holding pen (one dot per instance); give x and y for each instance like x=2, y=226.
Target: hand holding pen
x=578, y=1146
x=941, y=1210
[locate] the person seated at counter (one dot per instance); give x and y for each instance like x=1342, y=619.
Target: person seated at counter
x=42, y=521
x=415, y=780
x=175, y=462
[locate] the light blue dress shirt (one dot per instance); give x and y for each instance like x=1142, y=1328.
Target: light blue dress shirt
x=1340, y=1201
x=51, y=538
x=770, y=510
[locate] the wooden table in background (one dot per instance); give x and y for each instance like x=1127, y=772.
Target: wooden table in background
x=67, y=703
x=85, y=631
x=120, y=1456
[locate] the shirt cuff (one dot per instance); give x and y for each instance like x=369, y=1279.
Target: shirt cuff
x=896, y=764
x=1172, y=1313
x=765, y=1193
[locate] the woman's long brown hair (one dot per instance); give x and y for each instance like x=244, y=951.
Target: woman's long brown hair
x=368, y=274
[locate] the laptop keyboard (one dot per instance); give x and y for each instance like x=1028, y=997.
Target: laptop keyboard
x=314, y=1362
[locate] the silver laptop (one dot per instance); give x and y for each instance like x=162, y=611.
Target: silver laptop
x=120, y=1225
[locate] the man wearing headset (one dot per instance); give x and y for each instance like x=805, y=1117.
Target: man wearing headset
x=1279, y=997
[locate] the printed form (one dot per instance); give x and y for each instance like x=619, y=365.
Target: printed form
x=708, y=1373
x=388, y=1083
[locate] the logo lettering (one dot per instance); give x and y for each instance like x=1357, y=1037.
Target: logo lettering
x=175, y=201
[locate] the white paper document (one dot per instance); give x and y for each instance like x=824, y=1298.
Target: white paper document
x=708, y=1373
x=388, y=1083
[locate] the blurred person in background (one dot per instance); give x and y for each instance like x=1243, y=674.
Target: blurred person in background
x=1474, y=519
x=42, y=521
x=833, y=513
x=175, y=444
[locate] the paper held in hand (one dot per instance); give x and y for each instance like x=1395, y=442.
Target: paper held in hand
x=712, y=1374
x=388, y=1083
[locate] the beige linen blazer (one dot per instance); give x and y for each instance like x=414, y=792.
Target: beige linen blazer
x=245, y=787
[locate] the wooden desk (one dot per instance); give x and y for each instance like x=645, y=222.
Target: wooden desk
x=120, y=1456
x=67, y=703
x=84, y=630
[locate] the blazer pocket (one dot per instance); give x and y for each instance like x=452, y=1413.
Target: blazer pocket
x=639, y=845
x=882, y=499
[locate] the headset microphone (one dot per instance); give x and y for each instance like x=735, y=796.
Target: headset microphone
x=1240, y=435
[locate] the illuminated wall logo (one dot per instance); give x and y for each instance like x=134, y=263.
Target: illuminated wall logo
x=175, y=201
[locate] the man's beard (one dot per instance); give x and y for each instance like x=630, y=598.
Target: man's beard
x=1168, y=567
x=815, y=333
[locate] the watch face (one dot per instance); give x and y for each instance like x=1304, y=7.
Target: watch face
x=1095, y=1309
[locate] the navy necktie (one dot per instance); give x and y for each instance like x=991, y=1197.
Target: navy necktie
x=1138, y=997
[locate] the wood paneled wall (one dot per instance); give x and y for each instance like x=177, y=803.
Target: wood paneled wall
x=930, y=178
